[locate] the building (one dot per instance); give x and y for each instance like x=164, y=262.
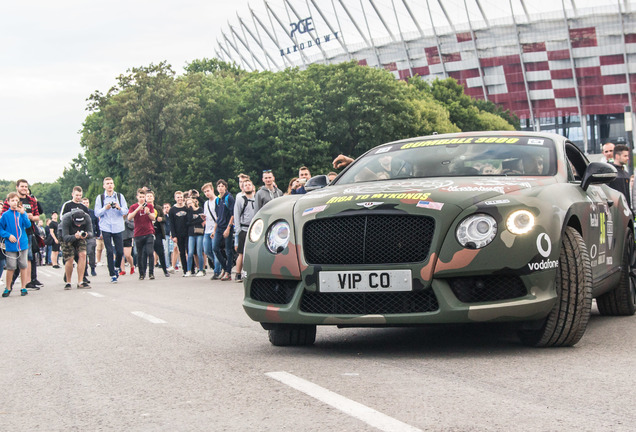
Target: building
x=567, y=67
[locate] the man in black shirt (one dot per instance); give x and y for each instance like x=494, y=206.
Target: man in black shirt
x=179, y=227
x=621, y=182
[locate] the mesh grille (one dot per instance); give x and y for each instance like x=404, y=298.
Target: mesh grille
x=369, y=303
x=487, y=288
x=273, y=290
x=370, y=239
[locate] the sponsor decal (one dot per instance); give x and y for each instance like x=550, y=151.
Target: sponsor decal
x=594, y=220
x=400, y=196
x=369, y=204
x=593, y=251
x=399, y=186
x=497, y=202
x=313, y=210
x=430, y=205
x=495, y=182
x=601, y=259
x=306, y=26
x=610, y=260
x=544, y=246
x=383, y=150
x=471, y=140
x=544, y=251
x=535, y=141
x=499, y=189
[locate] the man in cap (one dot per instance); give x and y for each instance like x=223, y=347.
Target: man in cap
x=76, y=229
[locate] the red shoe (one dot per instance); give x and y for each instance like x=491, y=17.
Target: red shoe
x=122, y=273
x=132, y=270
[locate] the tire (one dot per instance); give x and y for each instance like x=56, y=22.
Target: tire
x=621, y=301
x=293, y=335
x=566, y=323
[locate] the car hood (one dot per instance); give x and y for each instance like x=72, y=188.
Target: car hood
x=448, y=196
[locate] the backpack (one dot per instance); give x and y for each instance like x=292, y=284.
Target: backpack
x=245, y=201
x=117, y=194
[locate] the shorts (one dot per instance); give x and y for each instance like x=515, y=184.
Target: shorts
x=241, y=241
x=69, y=249
x=128, y=242
x=99, y=246
x=17, y=259
x=55, y=247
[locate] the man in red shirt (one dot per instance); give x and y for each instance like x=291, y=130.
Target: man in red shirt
x=143, y=214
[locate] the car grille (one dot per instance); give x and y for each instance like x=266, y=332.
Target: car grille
x=274, y=291
x=370, y=239
x=487, y=288
x=369, y=303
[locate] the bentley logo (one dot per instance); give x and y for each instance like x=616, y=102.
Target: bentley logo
x=369, y=204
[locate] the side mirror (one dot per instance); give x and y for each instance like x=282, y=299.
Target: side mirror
x=317, y=182
x=598, y=173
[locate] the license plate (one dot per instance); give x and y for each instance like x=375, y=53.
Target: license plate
x=365, y=281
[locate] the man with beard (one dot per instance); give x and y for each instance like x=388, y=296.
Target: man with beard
x=244, y=211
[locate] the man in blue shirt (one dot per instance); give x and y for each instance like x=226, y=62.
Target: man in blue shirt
x=223, y=230
x=110, y=207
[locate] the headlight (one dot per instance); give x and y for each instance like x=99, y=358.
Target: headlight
x=257, y=230
x=278, y=237
x=477, y=231
x=520, y=222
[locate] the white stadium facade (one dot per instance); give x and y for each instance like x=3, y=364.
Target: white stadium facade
x=565, y=66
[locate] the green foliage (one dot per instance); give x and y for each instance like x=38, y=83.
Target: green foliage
x=170, y=132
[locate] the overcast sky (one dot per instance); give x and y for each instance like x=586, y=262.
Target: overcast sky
x=54, y=54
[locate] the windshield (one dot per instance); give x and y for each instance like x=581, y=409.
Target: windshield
x=453, y=157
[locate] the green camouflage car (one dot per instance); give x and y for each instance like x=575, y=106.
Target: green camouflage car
x=457, y=228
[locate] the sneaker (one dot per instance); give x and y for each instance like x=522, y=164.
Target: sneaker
x=23, y=292
x=200, y=274
x=238, y=278
x=86, y=280
x=122, y=273
x=113, y=279
x=117, y=270
x=132, y=270
x=166, y=274
x=187, y=274
x=93, y=272
x=99, y=264
x=141, y=277
x=226, y=277
x=37, y=283
x=170, y=269
x=84, y=285
x=222, y=274
x=6, y=292
x=215, y=277
x=151, y=277
x=67, y=286
x=32, y=285
x=56, y=266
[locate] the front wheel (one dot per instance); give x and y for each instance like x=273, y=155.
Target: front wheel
x=292, y=335
x=622, y=299
x=567, y=321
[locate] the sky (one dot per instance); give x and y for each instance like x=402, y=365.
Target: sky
x=54, y=55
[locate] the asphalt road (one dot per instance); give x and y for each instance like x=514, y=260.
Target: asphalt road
x=179, y=354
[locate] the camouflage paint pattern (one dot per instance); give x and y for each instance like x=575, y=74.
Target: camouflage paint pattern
x=600, y=214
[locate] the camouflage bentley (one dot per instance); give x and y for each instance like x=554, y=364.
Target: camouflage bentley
x=458, y=228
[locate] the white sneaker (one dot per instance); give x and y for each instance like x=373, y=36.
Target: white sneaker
x=170, y=269
x=200, y=274
x=187, y=274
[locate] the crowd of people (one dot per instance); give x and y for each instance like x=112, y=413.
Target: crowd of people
x=197, y=234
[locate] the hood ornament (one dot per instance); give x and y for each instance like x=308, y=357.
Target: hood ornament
x=369, y=204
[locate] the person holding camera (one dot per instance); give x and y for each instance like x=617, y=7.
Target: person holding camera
x=109, y=208
x=76, y=229
x=143, y=214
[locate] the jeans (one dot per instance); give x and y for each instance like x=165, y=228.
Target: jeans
x=91, y=244
x=160, y=251
x=145, y=249
x=49, y=251
x=207, y=248
x=117, y=239
x=167, y=249
x=195, y=241
x=226, y=261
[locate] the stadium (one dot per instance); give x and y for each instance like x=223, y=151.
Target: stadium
x=567, y=67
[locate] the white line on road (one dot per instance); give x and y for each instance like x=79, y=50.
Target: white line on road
x=361, y=412
x=96, y=294
x=148, y=317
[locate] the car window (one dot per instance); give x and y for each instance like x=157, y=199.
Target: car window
x=469, y=156
x=576, y=160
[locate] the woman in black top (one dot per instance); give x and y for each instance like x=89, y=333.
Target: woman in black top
x=196, y=223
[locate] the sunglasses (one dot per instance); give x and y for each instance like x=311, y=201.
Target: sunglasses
x=267, y=171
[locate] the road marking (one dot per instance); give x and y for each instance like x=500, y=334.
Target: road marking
x=362, y=412
x=148, y=317
x=94, y=294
